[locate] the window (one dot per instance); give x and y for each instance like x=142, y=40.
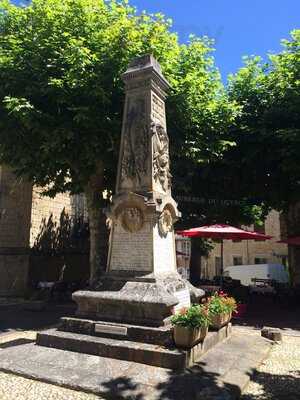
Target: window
x=178, y=245
x=260, y=260
x=218, y=266
x=186, y=247
x=237, y=260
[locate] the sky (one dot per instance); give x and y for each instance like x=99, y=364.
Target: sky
x=239, y=27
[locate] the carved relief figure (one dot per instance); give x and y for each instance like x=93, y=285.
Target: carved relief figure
x=134, y=165
x=132, y=219
x=165, y=222
x=161, y=163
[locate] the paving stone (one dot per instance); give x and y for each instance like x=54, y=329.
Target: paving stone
x=272, y=334
x=119, y=379
x=237, y=380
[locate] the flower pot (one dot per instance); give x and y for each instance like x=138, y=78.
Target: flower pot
x=188, y=337
x=219, y=320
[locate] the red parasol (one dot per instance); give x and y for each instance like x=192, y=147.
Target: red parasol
x=292, y=241
x=222, y=231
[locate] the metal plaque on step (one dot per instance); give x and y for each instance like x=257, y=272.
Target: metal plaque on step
x=111, y=329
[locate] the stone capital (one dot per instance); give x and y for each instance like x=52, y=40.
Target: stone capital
x=145, y=72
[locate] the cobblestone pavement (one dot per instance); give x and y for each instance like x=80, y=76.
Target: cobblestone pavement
x=278, y=377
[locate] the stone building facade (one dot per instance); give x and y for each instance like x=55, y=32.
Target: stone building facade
x=15, y=207
x=291, y=225
x=249, y=251
x=32, y=227
x=183, y=255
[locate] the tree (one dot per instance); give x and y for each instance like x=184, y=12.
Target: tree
x=258, y=167
x=267, y=132
x=263, y=166
x=61, y=95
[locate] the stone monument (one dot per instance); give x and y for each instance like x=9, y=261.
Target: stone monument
x=127, y=316
x=141, y=285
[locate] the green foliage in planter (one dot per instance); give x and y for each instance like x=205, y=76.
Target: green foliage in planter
x=195, y=316
x=220, y=304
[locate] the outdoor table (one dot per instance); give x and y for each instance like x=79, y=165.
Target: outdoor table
x=264, y=289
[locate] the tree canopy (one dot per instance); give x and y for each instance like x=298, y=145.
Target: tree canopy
x=61, y=95
x=234, y=152
x=267, y=131
x=261, y=170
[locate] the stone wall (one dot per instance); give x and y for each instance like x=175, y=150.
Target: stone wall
x=15, y=211
x=48, y=214
x=53, y=247
x=34, y=231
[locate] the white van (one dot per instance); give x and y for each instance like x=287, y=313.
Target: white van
x=247, y=273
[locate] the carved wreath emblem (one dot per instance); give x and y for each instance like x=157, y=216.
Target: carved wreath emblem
x=132, y=219
x=165, y=222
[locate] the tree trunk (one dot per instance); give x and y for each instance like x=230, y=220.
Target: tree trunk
x=294, y=264
x=97, y=225
x=195, y=262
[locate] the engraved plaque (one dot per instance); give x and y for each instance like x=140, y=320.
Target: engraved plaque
x=184, y=298
x=111, y=329
x=158, y=110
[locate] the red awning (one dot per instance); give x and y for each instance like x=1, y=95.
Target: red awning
x=222, y=231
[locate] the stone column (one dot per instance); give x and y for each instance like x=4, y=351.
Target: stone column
x=142, y=284
x=143, y=210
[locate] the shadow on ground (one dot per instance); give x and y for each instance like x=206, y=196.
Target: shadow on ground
x=16, y=318
x=192, y=384
x=197, y=384
x=275, y=387
x=16, y=342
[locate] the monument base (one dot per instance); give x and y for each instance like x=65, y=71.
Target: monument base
x=142, y=300
x=144, y=345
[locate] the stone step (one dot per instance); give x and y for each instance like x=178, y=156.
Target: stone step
x=144, y=353
x=160, y=336
x=137, y=351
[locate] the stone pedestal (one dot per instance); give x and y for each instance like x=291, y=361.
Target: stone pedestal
x=142, y=284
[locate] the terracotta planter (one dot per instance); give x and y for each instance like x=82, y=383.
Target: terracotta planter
x=188, y=337
x=219, y=320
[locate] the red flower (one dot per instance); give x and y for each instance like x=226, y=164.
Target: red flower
x=183, y=310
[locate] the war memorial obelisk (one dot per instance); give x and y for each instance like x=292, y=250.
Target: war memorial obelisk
x=141, y=285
